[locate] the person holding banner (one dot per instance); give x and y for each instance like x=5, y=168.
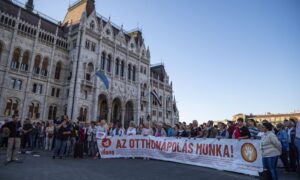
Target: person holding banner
x=243, y=131
x=147, y=130
x=230, y=129
x=222, y=133
x=131, y=129
x=160, y=132
x=111, y=128
x=195, y=130
x=118, y=130
x=261, y=132
x=210, y=131
x=139, y=129
x=101, y=127
x=101, y=132
x=270, y=149
x=182, y=132
x=252, y=128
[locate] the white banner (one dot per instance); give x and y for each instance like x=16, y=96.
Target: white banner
x=225, y=154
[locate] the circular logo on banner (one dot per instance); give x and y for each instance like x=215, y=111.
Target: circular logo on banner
x=106, y=142
x=249, y=152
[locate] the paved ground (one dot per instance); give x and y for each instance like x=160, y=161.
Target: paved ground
x=44, y=167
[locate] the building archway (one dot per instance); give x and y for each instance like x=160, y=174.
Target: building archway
x=129, y=113
x=12, y=107
x=116, y=111
x=102, y=107
x=33, y=110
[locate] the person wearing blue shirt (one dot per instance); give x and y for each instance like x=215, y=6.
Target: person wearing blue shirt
x=170, y=132
x=282, y=136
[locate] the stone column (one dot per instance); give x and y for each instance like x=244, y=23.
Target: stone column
x=28, y=83
x=96, y=82
x=109, y=109
x=76, y=70
x=123, y=114
x=50, y=67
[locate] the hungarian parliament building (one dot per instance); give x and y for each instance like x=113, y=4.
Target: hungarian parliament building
x=85, y=67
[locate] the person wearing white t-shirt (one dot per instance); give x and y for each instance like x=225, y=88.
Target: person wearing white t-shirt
x=260, y=134
x=147, y=130
x=101, y=127
x=118, y=130
x=49, y=136
x=131, y=129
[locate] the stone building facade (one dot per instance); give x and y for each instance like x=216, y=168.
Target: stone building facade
x=48, y=68
x=273, y=118
x=163, y=107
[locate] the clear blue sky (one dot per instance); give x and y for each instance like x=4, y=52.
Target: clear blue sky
x=224, y=57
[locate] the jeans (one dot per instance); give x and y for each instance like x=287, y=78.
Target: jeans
x=33, y=140
x=26, y=141
x=292, y=156
x=270, y=163
x=41, y=142
x=4, y=142
x=284, y=158
x=92, y=148
x=60, y=146
x=70, y=146
x=297, y=144
x=48, y=145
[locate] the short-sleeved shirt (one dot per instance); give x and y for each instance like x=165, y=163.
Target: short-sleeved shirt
x=61, y=132
x=14, y=129
x=195, y=132
x=244, y=131
x=27, y=126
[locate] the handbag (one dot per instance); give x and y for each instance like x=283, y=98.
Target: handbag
x=265, y=175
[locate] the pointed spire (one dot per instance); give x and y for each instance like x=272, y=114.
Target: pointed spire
x=29, y=5
x=101, y=23
x=108, y=19
x=148, y=53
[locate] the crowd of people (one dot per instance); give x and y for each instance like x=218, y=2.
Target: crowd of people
x=66, y=138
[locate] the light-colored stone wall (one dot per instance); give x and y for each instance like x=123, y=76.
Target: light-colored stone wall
x=77, y=93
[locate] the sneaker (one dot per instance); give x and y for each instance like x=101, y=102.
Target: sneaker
x=18, y=160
